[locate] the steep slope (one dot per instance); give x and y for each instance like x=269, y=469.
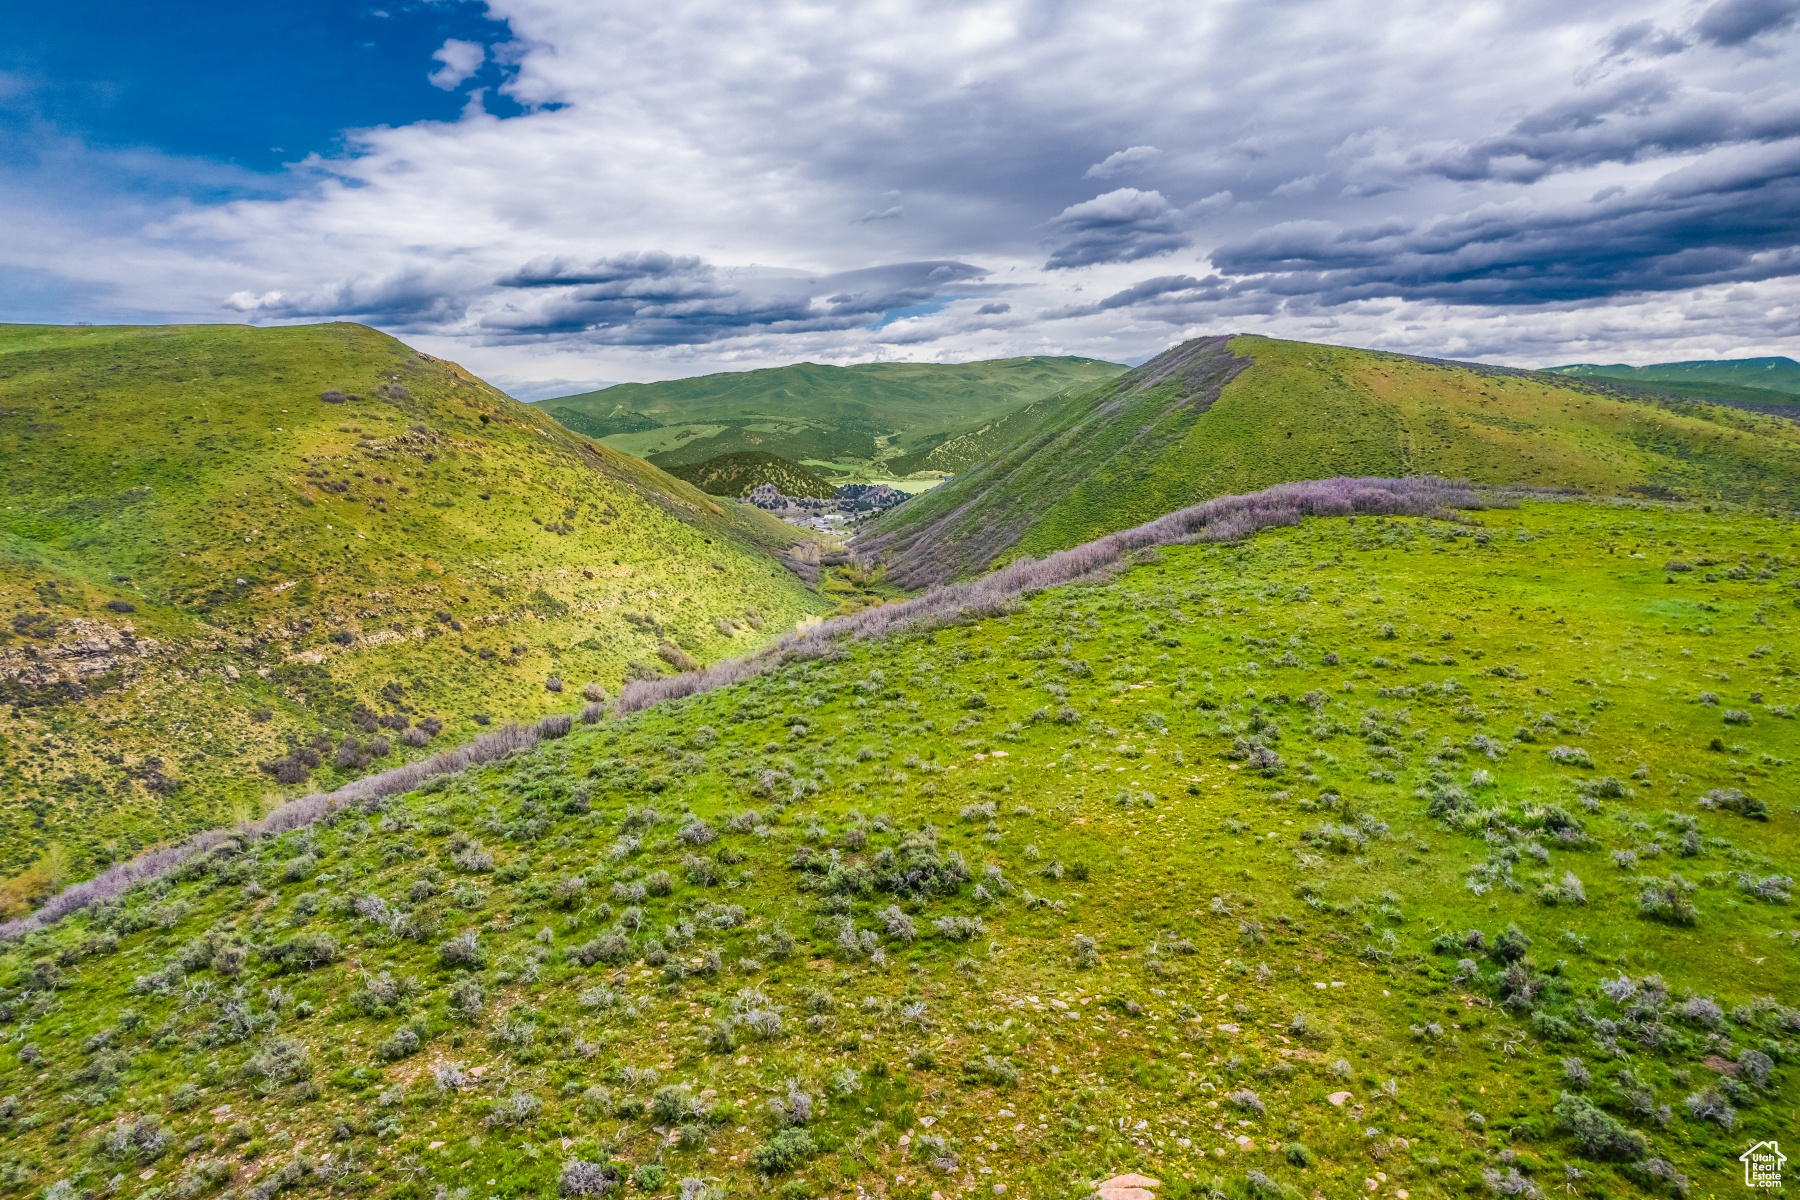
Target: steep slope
x=740, y=474
x=850, y=420
x=206, y=566
x=1389, y=851
x=1225, y=415
x=1729, y=379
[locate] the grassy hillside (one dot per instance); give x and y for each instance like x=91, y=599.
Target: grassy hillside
x=863, y=420
x=740, y=474
x=206, y=567
x=1220, y=416
x=1731, y=379
x=1366, y=857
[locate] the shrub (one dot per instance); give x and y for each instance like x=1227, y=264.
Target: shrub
x=783, y=1152
x=1734, y=801
x=403, y=1044
x=897, y=923
x=959, y=929
x=553, y=684
x=1711, y=1105
x=1248, y=1100
x=1570, y=891
x=519, y=1108
x=1511, y=1183
x=669, y=1104
x=1667, y=900
x=303, y=952
x=581, y=1178
x=1571, y=756
x=1757, y=1067
x=1087, y=951
x=463, y=950
x=141, y=1140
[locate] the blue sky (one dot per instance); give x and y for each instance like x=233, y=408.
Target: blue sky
x=252, y=84
x=559, y=193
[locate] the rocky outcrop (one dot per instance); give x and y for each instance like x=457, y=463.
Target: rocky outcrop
x=84, y=650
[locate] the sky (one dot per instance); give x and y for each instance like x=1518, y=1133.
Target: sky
x=560, y=194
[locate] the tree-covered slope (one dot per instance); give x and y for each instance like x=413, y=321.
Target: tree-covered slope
x=1730, y=378
x=1364, y=857
x=740, y=474
x=312, y=549
x=1218, y=416
x=863, y=419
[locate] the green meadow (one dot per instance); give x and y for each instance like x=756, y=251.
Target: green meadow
x=1394, y=857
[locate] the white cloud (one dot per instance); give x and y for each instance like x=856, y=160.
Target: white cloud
x=461, y=59
x=1130, y=159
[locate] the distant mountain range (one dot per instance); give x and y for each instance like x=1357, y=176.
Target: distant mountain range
x=1763, y=380
x=872, y=421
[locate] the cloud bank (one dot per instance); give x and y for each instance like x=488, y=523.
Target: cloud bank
x=700, y=186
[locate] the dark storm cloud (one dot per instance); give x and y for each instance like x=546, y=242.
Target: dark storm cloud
x=411, y=299
x=1734, y=22
x=1643, y=39
x=1716, y=222
x=1640, y=116
x=658, y=299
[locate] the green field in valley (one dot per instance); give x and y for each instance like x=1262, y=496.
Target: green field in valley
x=868, y=421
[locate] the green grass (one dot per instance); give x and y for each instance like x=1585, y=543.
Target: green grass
x=1168, y=918
x=738, y=475
x=1126, y=453
x=872, y=419
x=428, y=549
x=1731, y=378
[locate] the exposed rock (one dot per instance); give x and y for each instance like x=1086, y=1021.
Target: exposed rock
x=88, y=650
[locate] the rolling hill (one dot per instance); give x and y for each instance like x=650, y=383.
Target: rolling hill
x=239, y=562
x=1755, y=380
x=869, y=420
x=1363, y=857
x=1225, y=415
x=738, y=475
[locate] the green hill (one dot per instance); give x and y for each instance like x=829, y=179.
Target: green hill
x=1453, y=857
x=1218, y=416
x=205, y=567
x=860, y=420
x=739, y=474
x=1748, y=379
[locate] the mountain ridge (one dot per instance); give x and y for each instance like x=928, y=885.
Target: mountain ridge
x=1142, y=445
x=334, y=548
x=863, y=420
